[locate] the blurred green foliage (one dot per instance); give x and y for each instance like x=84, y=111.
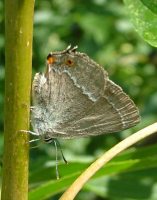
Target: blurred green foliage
x=101, y=29
x=144, y=17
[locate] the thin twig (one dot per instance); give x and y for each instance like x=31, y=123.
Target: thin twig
x=72, y=191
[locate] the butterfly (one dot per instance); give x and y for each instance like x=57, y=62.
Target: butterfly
x=75, y=98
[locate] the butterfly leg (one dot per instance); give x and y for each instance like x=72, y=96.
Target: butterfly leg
x=34, y=140
x=30, y=132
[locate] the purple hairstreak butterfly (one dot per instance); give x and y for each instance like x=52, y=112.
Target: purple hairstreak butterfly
x=75, y=98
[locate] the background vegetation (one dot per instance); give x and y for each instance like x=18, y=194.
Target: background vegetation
x=103, y=30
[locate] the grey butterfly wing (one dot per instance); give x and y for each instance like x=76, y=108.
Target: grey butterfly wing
x=112, y=112
x=89, y=76
x=80, y=100
x=57, y=101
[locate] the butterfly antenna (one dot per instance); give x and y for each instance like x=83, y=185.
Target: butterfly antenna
x=57, y=173
x=66, y=162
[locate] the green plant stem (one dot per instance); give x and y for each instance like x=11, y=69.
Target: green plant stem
x=18, y=59
x=72, y=191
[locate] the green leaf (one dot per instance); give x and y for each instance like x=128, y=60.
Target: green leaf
x=133, y=185
x=151, y=4
x=53, y=187
x=144, y=20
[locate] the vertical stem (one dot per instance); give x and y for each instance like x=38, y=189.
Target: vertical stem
x=18, y=59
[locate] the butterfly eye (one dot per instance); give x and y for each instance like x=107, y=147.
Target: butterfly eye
x=50, y=59
x=69, y=62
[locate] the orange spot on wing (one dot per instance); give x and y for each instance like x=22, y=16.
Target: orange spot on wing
x=69, y=62
x=50, y=59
